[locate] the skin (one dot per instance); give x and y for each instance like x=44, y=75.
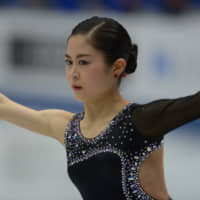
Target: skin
x=102, y=101
x=101, y=96
x=99, y=91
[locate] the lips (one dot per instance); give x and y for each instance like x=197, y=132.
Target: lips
x=76, y=86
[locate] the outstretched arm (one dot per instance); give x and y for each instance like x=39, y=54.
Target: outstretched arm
x=51, y=122
x=161, y=116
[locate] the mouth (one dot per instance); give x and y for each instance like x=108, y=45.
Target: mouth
x=75, y=87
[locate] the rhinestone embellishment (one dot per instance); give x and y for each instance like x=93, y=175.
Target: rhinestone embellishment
x=79, y=149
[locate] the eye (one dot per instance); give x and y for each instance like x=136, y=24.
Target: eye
x=68, y=62
x=83, y=62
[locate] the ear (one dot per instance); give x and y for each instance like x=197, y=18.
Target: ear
x=119, y=66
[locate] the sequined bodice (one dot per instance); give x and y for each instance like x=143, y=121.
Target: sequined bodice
x=107, y=166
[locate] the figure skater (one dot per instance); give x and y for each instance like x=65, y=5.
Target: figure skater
x=114, y=147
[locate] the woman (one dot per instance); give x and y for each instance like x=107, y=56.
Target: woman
x=114, y=147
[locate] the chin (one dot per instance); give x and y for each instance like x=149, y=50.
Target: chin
x=86, y=98
x=79, y=99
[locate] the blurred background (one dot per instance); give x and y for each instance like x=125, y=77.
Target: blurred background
x=33, y=37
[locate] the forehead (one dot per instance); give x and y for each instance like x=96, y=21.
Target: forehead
x=79, y=44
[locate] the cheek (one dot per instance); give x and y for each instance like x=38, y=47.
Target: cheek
x=96, y=77
x=66, y=71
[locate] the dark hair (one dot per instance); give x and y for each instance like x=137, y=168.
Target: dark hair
x=111, y=38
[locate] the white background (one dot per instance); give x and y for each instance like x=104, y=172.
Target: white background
x=33, y=166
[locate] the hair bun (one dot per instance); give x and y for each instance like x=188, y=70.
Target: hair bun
x=132, y=60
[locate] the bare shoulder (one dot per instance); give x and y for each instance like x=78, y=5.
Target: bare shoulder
x=58, y=122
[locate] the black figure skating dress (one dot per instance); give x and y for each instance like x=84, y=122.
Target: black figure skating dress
x=106, y=167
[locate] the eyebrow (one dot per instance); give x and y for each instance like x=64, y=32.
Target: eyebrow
x=78, y=56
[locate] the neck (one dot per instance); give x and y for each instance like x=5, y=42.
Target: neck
x=103, y=108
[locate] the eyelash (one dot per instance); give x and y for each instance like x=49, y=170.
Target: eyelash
x=68, y=62
x=84, y=62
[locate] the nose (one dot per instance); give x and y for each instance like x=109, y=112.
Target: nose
x=75, y=73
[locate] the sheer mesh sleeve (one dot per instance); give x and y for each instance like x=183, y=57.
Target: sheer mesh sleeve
x=158, y=117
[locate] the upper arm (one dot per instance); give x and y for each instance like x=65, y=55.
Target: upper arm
x=50, y=122
x=160, y=116
x=57, y=121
